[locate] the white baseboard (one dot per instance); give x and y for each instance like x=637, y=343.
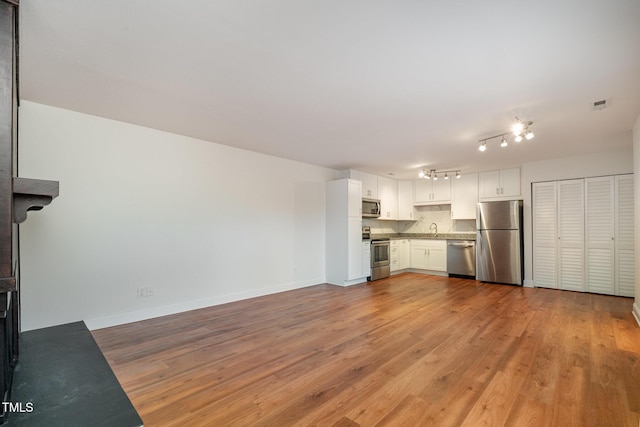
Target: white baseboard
x=528, y=283
x=636, y=312
x=150, y=313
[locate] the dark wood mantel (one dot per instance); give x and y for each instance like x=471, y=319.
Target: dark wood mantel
x=31, y=195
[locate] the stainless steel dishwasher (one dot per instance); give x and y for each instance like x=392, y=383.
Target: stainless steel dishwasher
x=461, y=258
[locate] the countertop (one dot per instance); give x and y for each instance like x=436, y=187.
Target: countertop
x=426, y=236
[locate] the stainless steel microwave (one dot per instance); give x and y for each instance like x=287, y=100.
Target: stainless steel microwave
x=370, y=208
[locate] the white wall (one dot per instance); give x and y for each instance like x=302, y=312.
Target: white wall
x=598, y=164
x=201, y=223
x=636, y=168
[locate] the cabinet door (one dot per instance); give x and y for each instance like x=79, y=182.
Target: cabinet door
x=432, y=191
x=489, y=184
x=369, y=185
x=510, y=182
x=388, y=192
x=545, y=238
x=599, y=217
x=354, y=198
x=405, y=200
x=500, y=184
x=393, y=255
x=437, y=254
x=423, y=189
x=393, y=249
x=464, y=196
x=366, y=259
x=354, y=251
x=624, y=236
x=404, y=254
x=441, y=189
x=419, y=258
x=571, y=235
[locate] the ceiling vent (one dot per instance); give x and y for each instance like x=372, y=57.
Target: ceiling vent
x=600, y=105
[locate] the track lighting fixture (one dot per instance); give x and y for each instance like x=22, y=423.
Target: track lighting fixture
x=433, y=174
x=520, y=131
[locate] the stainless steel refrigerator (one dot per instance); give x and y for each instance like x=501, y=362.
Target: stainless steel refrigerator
x=499, y=247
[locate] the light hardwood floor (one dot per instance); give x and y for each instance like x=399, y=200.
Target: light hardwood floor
x=410, y=350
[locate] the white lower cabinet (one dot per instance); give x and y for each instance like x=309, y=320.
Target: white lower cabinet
x=404, y=254
x=429, y=254
x=393, y=256
x=400, y=254
x=366, y=258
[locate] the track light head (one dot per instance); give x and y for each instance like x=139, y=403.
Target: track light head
x=520, y=129
x=433, y=174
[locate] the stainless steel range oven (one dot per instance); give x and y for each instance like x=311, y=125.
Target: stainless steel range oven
x=380, y=259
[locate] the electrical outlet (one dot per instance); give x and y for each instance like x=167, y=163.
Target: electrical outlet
x=149, y=290
x=142, y=292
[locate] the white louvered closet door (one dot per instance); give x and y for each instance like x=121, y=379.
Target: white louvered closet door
x=571, y=235
x=599, y=216
x=544, y=235
x=624, y=236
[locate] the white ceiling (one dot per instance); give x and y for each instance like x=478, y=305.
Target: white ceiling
x=381, y=86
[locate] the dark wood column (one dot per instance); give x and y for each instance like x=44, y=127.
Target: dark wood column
x=9, y=315
x=17, y=196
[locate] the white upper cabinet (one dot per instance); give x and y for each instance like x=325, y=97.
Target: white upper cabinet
x=369, y=185
x=432, y=191
x=405, y=201
x=369, y=182
x=464, y=196
x=388, y=193
x=354, y=199
x=500, y=184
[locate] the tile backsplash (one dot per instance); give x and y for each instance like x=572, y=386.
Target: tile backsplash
x=425, y=216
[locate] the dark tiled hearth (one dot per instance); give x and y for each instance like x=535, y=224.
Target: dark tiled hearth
x=65, y=376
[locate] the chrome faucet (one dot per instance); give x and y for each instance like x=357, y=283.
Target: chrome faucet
x=433, y=227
